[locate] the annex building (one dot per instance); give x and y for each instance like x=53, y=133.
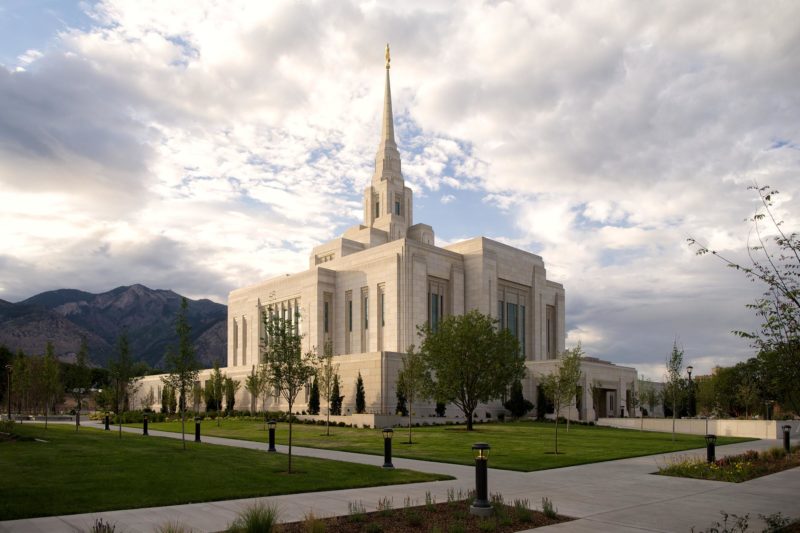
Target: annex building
x=366, y=291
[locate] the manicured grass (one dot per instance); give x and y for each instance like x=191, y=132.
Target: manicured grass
x=524, y=446
x=95, y=470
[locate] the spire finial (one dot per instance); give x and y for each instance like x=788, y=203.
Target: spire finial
x=388, y=58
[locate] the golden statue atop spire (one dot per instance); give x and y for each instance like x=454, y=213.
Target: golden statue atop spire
x=388, y=59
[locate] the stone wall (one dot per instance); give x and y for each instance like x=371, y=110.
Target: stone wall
x=758, y=429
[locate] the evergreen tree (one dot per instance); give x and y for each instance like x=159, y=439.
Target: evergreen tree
x=182, y=364
x=252, y=385
x=336, y=400
x=361, y=401
x=81, y=379
x=51, y=380
x=313, y=400
x=231, y=386
x=517, y=404
x=165, y=399
x=402, y=408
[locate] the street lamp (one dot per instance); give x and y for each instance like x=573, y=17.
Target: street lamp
x=711, y=441
x=271, y=425
x=387, y=448
x=481, y=506
x=197, y=429
x=9, y=370
x=691, y=390
x=787, y=429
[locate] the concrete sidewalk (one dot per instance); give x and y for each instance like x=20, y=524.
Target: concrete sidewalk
x=618, y=495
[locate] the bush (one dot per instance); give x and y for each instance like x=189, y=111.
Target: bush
x=547, y=508
x=6, y=426
x=258, y=518
x=101, y=526
x=173, y=527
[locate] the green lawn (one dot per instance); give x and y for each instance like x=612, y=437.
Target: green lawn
x=524, y=446
x=95, y=470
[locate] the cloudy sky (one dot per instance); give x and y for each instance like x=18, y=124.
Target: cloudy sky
x=196, y=146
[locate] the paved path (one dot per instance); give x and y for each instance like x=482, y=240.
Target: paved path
x=612, y=496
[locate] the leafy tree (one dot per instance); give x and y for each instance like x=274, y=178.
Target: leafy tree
x=473, y=360
x=361, y=402
x=214, y=390
x=327, y=374
x=197, y=395
x=774, y=261
x=122, y=371
x=252, y=384
x=165, y=399
x=648, y=395
x=182, y=365
x=231, y=386
x=313, y=400
x=517, y=404
x=416, y=382
x=50, y=380
x=81, y=379
x=674, y=384
x=336, y=399
x=441, y=408
x=560, y=386
x=6, y=358
x=290, y=369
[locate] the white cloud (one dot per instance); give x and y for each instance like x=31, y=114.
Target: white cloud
x=206, y=145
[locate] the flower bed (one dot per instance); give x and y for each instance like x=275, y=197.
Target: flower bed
x=734, y=468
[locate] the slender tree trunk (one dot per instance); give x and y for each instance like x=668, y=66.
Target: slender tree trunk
x=46, y=412
x=328, y=422
x=183, y=429
x=558, y=408
x=569, y=413
x=674, y=401
x=469, y=420
x=409, y=421
x=290, y=438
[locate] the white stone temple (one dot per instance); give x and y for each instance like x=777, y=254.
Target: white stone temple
x=366, y=292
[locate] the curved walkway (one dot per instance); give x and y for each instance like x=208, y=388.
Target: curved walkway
x=617, y=495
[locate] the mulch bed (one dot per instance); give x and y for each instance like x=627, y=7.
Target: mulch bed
x=451, y=517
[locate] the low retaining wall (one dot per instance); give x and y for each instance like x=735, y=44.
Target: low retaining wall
x=757, y=429
x=384, y=421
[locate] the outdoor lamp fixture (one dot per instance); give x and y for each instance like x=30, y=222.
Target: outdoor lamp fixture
x=481, y=506
x=197, y=429
x=387, y=448
x=9, y=371
x=787, y=430
x=106, y=423
x=711, y=441
x=144, y=425
x=271, y=424
x=691, y=390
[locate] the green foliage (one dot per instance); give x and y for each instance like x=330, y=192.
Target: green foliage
x=101, y=526
x=523, y=511
x=327, y=373
x=258, y=518
x=415, y=381
x=402, y=405
x=289, y=369
x=473, y=360
x=336, y=399
x=50, y=380
x=734, y=468
x=214, y=389
x=173, y=527
x=182, y=365
x=312, y=524
x=517, y=404
x=6, y=426
x=674, y=384
x=561, y=386
x=231, y=386
x=356, y=512
x=361, y=402
x=547, y=508
x=313, y=400
x=252, y=384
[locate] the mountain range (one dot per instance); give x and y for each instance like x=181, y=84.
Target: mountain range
x=65, y=316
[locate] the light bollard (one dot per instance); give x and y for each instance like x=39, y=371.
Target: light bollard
x=787, y=430
x=481, y=506
x=271, y=426
x=106, y=421
x=197, y=429
x=387, y=448
x=711, y=442
x=144, y=426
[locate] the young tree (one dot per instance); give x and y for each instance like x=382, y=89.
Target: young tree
x=81, y=379
x=122, y=374
x=648, y=396
x=674, y=382
x=182, y=364
x=290, y=369
x=416, y=381
x=560, y=387
x=473, y=360
x=313, y=400
x=231, y=386
x=327, y=374
x=775, y=262
x=361, y=402
x=165, y=399
x=252, y=384
x=51, y=380
x=214, y=390
x=517, y=404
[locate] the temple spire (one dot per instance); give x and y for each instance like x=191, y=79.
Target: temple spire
x=387, y=160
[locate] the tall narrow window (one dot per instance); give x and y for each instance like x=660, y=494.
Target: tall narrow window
x=381, y=310
x=235, y=342
x=397, y=207
x=364, y=319
x=244, y=340
x=349, y=320
x=511, y=319
x=437, y=298
x=511, y=311
x=522, y=327
x=377, y=209
x=500, y=314
x=551, y=331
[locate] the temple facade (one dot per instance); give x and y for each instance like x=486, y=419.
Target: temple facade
x=366, y=292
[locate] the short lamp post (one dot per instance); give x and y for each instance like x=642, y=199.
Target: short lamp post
x=197, y=429
x=711, y=441
x=691, y=390
x=144, y=425
x=787, y=430
x=767, y=405
x=271, y=426
x=481, y=506
x=106, y=422
x=9, y=371
x=387, y=447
